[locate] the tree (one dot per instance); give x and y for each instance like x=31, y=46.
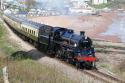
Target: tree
x=117, y=3
x=30, y=3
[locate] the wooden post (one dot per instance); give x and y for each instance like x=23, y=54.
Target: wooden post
x=5, y=75
x=1, y=4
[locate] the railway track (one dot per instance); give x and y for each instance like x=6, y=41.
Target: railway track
x=107, y=44
x=102, y=76
x=98, y=75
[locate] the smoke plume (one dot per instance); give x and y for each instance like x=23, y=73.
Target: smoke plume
x=59, y=5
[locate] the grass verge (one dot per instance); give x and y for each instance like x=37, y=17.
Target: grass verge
x=28, y=71
x=5, y=44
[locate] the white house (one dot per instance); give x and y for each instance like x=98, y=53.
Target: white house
x=79, y=3
x=97, y=2
x=81, y=7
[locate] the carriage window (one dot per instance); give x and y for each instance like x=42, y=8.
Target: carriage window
x=33, y=32
x=26, y=29
x=30, y=31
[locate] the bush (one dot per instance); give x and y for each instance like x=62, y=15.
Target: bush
x=20, y=55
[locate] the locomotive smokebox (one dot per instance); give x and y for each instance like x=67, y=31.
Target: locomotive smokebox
x=82, y=33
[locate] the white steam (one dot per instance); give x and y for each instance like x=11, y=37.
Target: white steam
x=59, y=5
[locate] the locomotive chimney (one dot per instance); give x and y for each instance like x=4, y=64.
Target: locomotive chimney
x=82, y=33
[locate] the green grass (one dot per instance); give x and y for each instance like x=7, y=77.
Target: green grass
x=101, y=6
x=23, y=69
x=105, y=65
x=120, y=70
x=5, y=44
x=28, y=71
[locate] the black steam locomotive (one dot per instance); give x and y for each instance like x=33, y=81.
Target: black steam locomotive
x=61, y=42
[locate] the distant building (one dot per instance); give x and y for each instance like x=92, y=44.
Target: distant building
x=3, y=5
x=80, y=7
x=79, y=3
x=7, y=11
x=97, y=2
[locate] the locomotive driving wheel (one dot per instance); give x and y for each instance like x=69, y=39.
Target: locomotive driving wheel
x=69, y=58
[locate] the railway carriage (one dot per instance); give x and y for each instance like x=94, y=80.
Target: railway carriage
x=8, y=20
x=30, y=30
x=13, y=22
x=61, y=42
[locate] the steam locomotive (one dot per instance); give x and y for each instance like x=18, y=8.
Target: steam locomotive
x=61, y=42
